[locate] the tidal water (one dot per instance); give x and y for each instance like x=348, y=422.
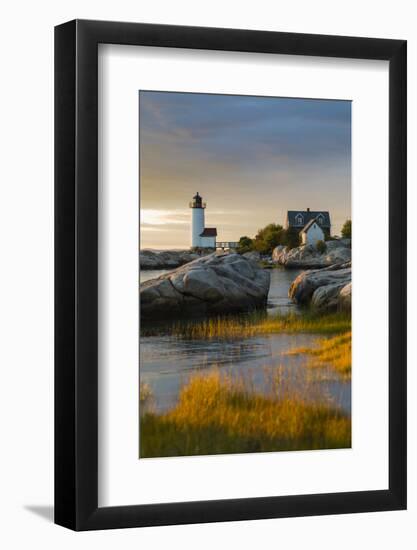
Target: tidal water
x=167, y=362
x=278, y=300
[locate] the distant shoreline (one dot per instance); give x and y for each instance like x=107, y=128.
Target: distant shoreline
x=166, y=258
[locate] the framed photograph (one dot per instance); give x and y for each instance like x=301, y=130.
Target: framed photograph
x=230, y=245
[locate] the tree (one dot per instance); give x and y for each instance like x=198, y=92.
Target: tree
x=268, y=238
x=291, y=238
x=245, y=245
x=347, y=230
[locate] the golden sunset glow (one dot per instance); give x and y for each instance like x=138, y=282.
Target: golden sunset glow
x=251, y=159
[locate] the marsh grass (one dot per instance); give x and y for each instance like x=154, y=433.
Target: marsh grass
x=334, y=352
x=246, y=326
x=219, y=414
x=146, y=397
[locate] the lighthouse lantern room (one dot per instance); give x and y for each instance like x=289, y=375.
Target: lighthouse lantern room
x=201, y=236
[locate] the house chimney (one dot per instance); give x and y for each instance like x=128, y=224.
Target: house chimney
x=308, y=209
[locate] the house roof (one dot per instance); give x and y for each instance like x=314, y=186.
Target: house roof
x=307, y=217
x=307, y=227
x=209, y=232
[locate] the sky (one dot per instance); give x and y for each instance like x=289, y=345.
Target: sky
x=251, y=159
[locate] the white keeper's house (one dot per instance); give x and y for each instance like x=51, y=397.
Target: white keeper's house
x=312, y=233
x=312, y=226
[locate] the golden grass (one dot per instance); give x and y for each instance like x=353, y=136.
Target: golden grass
x=218, y=414
x=335, y=352
x=146, y=397
x=256, y=324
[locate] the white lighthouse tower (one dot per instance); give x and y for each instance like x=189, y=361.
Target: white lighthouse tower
x=197, y=220
x=201, y=236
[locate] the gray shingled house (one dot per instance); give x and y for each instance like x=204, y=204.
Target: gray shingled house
x=298, y=219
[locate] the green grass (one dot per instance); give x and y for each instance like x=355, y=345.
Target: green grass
x=335, y=352
x=255, y=324
x=217, y=414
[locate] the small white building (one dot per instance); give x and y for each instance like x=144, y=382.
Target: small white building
x=312, y=233
x=208, y=237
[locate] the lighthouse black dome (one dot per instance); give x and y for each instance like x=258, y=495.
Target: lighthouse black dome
x=197, y=201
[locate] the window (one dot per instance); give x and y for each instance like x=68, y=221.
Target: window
x=299, y=220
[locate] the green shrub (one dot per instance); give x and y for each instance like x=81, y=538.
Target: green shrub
x=321, y=247
x=245, y=245
x=347, y=230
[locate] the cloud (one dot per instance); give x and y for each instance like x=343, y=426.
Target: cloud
x=242, y=153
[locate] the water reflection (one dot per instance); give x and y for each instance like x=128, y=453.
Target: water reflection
x=167, y=362
x=281, y=279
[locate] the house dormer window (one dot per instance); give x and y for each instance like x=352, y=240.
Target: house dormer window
x=320, y=219
x=299, y=219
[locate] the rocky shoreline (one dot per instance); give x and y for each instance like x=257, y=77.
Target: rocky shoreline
x=165, y=259
x=220, y=283
x=226, y=282
x=326, y=283
x=309, y=257
x=327, y=289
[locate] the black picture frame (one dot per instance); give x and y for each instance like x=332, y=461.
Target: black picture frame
x=76, y=272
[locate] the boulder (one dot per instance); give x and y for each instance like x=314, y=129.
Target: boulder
x=327, y=297
x=345, y=297
x=324, y=289
x=165, y=259
x=219, y=283
x=308, y=257
x=253, y=255
x=344, y=243
x=276, y=253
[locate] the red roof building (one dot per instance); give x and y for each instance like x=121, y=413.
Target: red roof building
x=209, y=232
